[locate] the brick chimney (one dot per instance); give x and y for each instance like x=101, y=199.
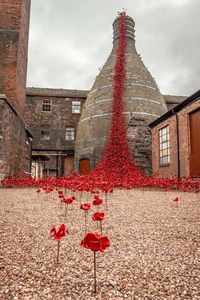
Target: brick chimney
x=14, y=29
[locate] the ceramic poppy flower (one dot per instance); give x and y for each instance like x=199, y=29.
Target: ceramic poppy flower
x=97, y=200
x=176, y=200
x=95, y=242
x=60, y=192
x=98, y=216
x=85, y=206
x=67, y=200
x=57, y=235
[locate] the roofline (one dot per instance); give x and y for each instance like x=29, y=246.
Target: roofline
x=175, y=109
x=48, y=92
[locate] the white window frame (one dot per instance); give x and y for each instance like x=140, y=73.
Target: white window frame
x=164, y=146
x=46, y=105
x=76, y=107
x=69, y=134
x=45, y=136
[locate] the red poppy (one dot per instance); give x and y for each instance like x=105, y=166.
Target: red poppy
x=97, y=200
x=38, y=191
x=85, y=206
x=98, y=216
x=176, y=199
x=95, y=242
x=67, y=200
x=60, y=233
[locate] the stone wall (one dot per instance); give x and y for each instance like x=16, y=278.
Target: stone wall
x=57, y=148
x=139, y=142
x=15, y=143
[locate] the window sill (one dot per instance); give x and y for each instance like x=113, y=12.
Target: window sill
x=164, y=165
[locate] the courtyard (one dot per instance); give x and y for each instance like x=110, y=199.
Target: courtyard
x=154, y=246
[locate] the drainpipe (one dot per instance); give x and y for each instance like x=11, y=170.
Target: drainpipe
x=30, y=157
x=57, y=164
x=178, y=144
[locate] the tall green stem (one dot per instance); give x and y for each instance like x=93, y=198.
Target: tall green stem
x=58, y=252
x=95, y=271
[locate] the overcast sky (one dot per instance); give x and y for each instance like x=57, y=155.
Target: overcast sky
x=70, y=40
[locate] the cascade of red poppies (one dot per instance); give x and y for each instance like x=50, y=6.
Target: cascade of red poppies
x=117, y=162
x=116, y=167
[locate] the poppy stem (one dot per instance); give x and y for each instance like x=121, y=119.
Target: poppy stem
x=85, y=221
x=66, y=209
x=101, y=227
x=58, y=252
x=95, y=277
x=106, y=203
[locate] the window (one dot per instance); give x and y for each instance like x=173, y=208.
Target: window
x=45, y=135
x=164, y=146
x=69, y=134
x=46, y=105
x=76, y=107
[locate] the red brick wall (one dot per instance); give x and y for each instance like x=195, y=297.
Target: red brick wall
x=184, y=126
x=184, y=143
x=10, y=12
x=14, y=26
x=23, y=55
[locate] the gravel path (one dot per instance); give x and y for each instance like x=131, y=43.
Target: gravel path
x=154, y=252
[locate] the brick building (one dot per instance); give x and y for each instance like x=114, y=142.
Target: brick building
x=52, y=116
x=176, y=140
x=15, y=138
x=44, y=130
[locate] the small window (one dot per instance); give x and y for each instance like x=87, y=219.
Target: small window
x=69, y=134
x=76, y=107
x=164, y=146
x=46, y=105
x=45, y=135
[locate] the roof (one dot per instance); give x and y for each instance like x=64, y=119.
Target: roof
x=176, y=109
x=32, y=91
x=171, y=99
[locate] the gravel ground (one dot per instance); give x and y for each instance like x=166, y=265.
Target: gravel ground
x=154, y=252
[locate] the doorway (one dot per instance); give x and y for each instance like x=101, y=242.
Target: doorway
x=195, y=143
x=84, y=166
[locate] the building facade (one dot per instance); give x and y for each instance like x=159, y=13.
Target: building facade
x=43, y=131
x=175, y=140
x=52, y=116
x=15, y=138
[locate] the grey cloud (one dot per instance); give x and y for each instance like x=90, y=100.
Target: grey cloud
x=70, y=41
